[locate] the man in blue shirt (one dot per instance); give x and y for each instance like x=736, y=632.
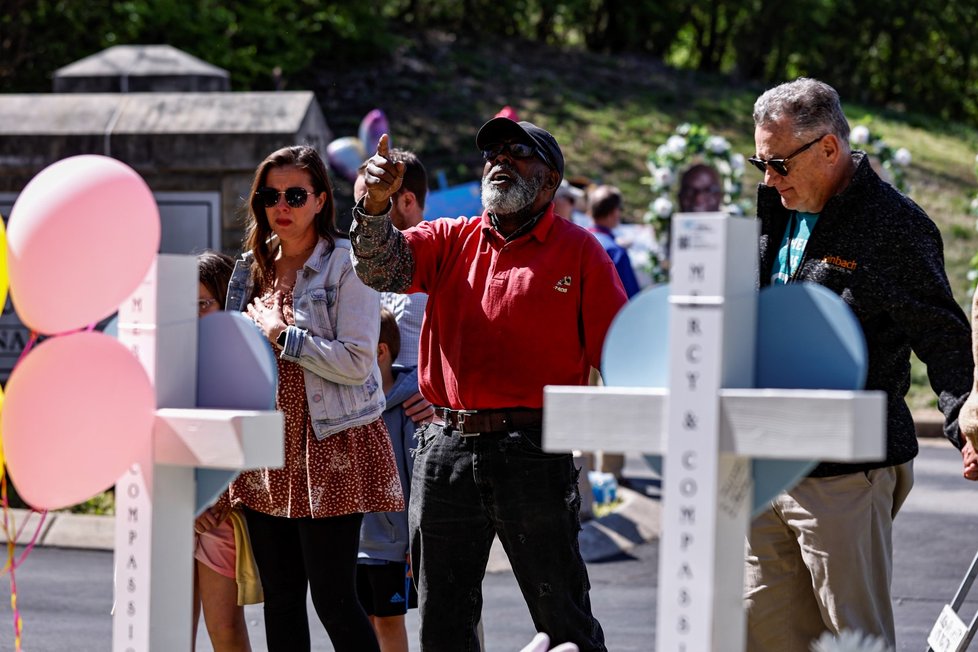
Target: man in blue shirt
x=604, y=207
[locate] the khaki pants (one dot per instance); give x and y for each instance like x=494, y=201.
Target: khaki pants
x=821, y=559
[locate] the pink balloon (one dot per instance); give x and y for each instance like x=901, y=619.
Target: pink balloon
x=79, y=408
x=86, y=222
x=372, y=127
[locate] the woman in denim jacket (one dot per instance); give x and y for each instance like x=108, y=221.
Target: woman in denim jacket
x=296, y=282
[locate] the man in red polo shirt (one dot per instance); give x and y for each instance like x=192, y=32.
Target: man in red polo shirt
x=518, y=299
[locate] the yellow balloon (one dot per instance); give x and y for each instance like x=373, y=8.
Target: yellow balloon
x=4, y=279
x=2, y=460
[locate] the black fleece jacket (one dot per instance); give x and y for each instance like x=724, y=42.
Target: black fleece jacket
x=880, y=252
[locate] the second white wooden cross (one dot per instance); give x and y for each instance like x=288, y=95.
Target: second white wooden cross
x=710, y=423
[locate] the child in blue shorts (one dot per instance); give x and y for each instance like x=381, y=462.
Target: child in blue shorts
x=384, y=583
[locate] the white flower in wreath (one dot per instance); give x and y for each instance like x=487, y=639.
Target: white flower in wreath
x=902, y=157
x=974, y=205
x=737, y=161
x=850, y=641
x=675, y=145
x=723, y=168
x=663, y=177
x=662, y=207
x=859, y=135
x=717, y=144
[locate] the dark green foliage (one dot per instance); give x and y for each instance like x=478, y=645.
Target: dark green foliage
x=916, y=54
x=263, y=43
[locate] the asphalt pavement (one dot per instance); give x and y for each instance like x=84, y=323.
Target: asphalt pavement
x=65, y=594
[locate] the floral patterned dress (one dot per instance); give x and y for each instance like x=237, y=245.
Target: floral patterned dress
x=348, y=472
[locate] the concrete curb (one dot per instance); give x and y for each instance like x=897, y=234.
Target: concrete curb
x=64, y=529
x=634, y=522
x=928, y=423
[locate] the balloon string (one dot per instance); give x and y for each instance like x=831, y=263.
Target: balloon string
x=12, y=540
x=27, y=347
x=18, y=621
x=12, y=561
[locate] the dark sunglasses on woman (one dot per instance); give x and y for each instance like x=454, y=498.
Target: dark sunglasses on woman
x=294, y=197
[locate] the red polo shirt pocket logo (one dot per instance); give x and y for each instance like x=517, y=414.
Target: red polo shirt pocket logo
x=563, y=284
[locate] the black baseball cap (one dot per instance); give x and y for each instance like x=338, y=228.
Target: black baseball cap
x=499, y=130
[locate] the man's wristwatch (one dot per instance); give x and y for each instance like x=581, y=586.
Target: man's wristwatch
x=280, y=340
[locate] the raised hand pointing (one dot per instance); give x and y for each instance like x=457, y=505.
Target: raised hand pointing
x=383, y=178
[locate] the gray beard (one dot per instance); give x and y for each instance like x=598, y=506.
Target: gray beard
x=510, y=201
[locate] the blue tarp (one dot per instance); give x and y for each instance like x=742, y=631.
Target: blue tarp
x=461, y=200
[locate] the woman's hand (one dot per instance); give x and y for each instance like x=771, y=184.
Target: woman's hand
x=271, y=321
x=382, y=178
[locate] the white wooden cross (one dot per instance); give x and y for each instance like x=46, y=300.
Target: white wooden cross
x=709, y=424
x=155, y=500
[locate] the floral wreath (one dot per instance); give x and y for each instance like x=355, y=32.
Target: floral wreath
x=689, y=145
x=893, y=161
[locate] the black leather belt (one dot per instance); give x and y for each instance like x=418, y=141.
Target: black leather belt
x=470, y=423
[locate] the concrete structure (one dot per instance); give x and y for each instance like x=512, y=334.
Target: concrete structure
x=194, y=143
x=140, y=69
x=185, y=142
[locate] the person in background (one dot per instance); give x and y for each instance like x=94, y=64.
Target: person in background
x=492, y=280
x=820, y=557
x=604, y=207
x=700, y=190
x=407, y=210
x=215, y=570
x=383, y=574
x=565, y=200
x=297, y=283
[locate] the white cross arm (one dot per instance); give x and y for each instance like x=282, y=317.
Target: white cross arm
x=218, y=439
x=758, y=423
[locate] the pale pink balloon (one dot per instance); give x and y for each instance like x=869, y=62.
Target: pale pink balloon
x=78, y=410
x=81, y=237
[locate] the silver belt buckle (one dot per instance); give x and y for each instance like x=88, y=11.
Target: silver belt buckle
x=461, y=423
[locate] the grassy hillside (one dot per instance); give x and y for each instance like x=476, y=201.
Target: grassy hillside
x=608, y=113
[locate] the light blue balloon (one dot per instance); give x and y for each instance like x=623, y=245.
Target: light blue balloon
x=636, y=349
x=236, y=370
x=807, y=338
